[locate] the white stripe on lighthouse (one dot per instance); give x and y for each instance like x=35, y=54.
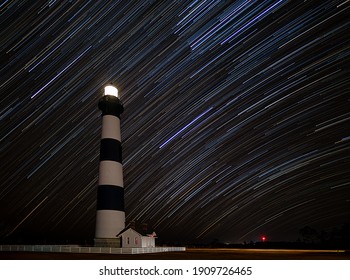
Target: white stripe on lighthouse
x=111, y=173
x=109, y=223
x=111, y=127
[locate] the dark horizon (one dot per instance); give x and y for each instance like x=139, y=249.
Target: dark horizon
x=236, y=121
x=308, y=238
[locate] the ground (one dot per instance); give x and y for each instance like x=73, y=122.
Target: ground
x=191, y=254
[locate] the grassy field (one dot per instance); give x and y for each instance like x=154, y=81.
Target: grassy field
x=191, y=254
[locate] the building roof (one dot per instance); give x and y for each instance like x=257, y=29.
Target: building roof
x=129, y=228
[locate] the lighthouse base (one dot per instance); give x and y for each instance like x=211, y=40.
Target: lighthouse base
x=108, y=242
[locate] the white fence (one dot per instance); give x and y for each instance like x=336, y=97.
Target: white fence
x=79, y=249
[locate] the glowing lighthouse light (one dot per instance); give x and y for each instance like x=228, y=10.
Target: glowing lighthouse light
x=111, y=90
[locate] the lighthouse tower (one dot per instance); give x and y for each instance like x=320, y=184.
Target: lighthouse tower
x=110, y=216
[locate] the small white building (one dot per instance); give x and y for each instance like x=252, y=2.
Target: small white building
x=130, y=238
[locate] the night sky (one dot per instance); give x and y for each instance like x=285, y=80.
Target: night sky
x=236, y=121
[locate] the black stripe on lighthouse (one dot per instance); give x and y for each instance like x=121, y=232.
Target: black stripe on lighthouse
x=111, y=149
x=110, y=198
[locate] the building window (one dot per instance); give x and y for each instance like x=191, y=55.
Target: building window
x=136, y=240
x=128, y=240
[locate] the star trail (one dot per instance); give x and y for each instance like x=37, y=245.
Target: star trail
x=236, y=120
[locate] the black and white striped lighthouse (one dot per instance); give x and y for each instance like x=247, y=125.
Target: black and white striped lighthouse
x=110, y=216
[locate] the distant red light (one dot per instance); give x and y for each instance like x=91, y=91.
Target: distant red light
x=263, y=238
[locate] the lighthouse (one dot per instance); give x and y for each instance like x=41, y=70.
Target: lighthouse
x=110, y=215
